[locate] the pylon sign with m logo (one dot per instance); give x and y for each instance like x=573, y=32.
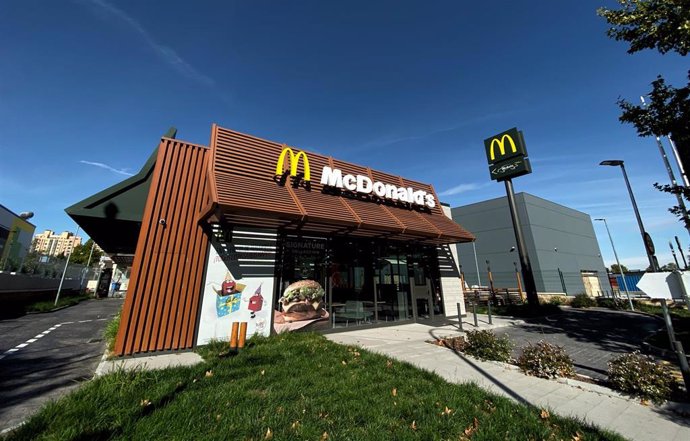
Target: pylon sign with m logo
x=506, y=154
x=293, y=160
x=505, y=145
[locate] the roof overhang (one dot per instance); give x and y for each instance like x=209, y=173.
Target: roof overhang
x=112, y=217
x=245, y=190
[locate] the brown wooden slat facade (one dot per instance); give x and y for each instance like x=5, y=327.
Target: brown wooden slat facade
x=243, y=171
x=162, y=302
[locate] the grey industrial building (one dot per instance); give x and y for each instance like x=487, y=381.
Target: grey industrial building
x=560, y=241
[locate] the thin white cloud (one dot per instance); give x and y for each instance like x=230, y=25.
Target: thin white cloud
x=167, y=54
x=395, y=139
x=107, y=167
x=462, y=188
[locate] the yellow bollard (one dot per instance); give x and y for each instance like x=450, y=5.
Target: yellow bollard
x=243, y=335
x=233, y=335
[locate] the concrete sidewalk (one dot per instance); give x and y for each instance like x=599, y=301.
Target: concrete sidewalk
x=594, y=404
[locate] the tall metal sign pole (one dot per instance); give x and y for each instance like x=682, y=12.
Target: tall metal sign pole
x=507, y=157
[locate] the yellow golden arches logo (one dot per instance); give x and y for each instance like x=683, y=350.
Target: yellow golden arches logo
x=501, y=143
x=294, y=161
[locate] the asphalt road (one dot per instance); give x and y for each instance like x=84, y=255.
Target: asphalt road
x=591, y=337
x=44, y=356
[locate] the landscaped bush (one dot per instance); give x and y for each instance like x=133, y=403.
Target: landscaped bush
x=545, y=360
x=607, y=302
x=557, y=300
x=583, y=301
x=110, y=332
x=485, y=345
x=640, y=375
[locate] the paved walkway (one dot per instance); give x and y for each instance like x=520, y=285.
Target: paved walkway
x=591, y=337
x=594, y=404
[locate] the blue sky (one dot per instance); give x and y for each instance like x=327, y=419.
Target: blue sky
x=411, y=88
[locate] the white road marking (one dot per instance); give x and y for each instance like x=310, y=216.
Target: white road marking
x=42, y=334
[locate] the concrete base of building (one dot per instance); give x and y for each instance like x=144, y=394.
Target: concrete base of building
x=151, y=362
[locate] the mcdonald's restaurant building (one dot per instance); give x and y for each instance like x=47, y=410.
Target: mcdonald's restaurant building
x=249, y=230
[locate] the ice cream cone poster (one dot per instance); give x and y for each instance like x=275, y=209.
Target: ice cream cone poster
x=228, y=298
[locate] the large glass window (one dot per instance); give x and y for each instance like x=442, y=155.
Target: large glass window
x=366, y=281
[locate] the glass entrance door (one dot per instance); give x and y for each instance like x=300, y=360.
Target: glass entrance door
x=392, y=281
x=351, y=288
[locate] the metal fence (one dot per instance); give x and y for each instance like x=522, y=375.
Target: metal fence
x=53, y=269
x=547, y=281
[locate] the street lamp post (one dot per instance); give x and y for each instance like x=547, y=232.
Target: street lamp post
x=476, y=264
x=64, y=270
x=646, y=239
x=620, y=269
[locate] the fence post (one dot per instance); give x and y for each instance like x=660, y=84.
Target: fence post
x=459, y=317
x=684, y=367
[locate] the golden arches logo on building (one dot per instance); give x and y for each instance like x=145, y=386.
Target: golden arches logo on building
x=293, y=159
x=501, y=143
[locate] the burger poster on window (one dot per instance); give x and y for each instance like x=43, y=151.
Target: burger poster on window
x=229, y=297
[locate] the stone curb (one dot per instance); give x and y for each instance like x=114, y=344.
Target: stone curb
x=9, y=430
x=100, y=369
x=48, y=312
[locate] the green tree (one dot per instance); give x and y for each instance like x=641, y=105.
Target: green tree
x=81, y=253
x=671, y=266
x=616, y=270
x=663, y=25
x=668, y=113
x=31, y=262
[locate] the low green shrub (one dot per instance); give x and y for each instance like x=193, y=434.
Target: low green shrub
x=583, y=301
x=641, y=376
x=557, y=301
x=616, y=304
x=545, y=360
x=485, y=345
x=47, y=306
x=110, y=332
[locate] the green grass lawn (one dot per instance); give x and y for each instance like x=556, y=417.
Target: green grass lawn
x=68, y=300
x=293, y=386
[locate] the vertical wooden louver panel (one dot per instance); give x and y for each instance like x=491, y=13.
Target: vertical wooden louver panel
x=175, y=226
x=189, y=273
x=143, y=330
x=161, y=302
x=191, y=306
x=131, y=308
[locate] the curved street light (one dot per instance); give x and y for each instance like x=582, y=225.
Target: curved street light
x=646, y=239
x=620, y=269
